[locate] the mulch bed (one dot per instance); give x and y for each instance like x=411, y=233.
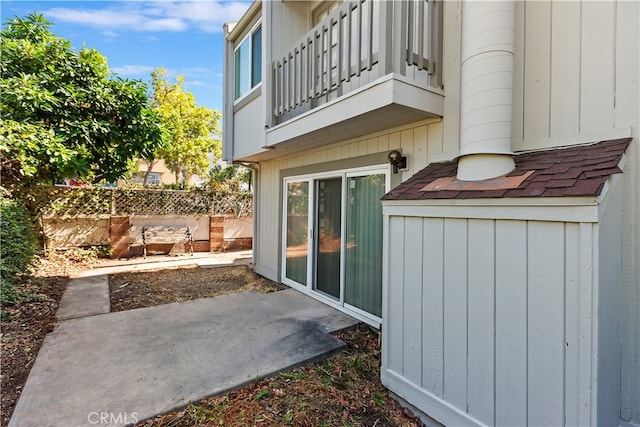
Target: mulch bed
x=24, y=326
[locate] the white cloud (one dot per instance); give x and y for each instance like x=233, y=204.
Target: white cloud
x=110, y=34
x=133, y=70
x=174, y=16
x=195, y=83
x=196, y=71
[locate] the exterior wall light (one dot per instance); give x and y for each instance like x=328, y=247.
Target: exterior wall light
x=397, y=160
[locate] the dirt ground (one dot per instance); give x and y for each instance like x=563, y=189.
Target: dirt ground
x=24, y=326
x=156, y=287
x=343, y=390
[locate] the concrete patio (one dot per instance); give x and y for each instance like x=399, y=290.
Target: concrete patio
x=119, y=368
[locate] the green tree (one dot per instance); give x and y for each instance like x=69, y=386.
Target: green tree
x=193, y=131
x=64, y=113
x=228, y=178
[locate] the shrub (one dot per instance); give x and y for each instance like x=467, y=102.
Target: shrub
x=18, y=246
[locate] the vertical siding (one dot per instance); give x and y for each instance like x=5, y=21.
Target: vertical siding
x=609, y=233
x=627, y=55
x=412, y=304
x=248, y=129
x=572, y=327
x=511, y=323
x=576, y=71
x=481, y=320
x=290, y=22
x=451, y=76
x=630, y=291
x=394, y=360
x=268, y=216
x=597, y=65
x=508, y=302
x=455, y=312
x=433, y=304
x=545, y=332
x=537, y=59
x=564, y=117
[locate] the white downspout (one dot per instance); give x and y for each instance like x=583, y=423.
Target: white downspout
x=486, y=90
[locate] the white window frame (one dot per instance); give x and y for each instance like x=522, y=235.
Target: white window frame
x=247, y=38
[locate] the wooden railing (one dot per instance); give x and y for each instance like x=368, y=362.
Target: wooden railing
x=360, y=37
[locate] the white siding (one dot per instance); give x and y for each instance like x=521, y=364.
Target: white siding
x=511, y=321
x=248, y=128
x=545, y=319
x=630, y=290
x=420, y=142
x=576, y=72
x=455, y=312
x=504, y=297
x=433, y=303
x=290, y=21
x=609, y=271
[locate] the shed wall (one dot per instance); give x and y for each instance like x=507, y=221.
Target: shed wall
x=630, y=289
x=488, y=321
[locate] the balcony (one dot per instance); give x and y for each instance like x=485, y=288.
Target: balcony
x=369, y=65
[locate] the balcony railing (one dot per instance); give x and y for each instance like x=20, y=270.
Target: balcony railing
x=357, y=43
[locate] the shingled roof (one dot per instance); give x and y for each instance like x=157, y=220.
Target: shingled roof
x=564, y=172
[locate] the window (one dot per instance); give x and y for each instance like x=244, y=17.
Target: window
x=248, y=62
x=154, y=179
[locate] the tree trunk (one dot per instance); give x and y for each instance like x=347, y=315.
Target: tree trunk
x=150, y=165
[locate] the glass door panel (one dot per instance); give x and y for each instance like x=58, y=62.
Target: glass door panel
x=297, y=243
x=363, y=258
x=328, y=226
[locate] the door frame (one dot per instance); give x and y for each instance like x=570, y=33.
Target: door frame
x=308, y=289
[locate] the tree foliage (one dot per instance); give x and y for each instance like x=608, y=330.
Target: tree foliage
x=64, y=113
x=18, y=249
x=192, y=131
x=230, y=178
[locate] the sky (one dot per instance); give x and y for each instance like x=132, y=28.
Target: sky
x=184, y=37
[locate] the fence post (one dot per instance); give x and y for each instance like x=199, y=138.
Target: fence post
x=113, y=201
x=216, y=233
x=119, y=237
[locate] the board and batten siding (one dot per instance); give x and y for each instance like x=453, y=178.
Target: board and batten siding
x=421, y=142
x=575, y=76
x=575, y=72
x=489, y=322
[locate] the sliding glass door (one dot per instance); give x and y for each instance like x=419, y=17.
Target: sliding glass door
x=333, y=237
x=297, y=232
x=363, y=251
x=328, y=244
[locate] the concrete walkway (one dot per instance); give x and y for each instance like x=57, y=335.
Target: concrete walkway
x=118, y=368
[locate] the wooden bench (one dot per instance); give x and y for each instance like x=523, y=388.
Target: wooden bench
x=166, y=234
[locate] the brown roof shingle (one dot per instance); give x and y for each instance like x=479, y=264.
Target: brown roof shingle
x=574, y=171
